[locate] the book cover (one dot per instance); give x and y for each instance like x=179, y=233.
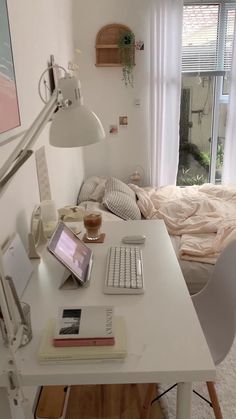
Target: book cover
x=48, y=353
x=84, y=323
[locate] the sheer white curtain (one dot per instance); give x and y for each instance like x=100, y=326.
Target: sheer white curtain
x=229, y=164
x=165, y=89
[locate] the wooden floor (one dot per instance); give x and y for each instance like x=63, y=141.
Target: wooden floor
x=116, y=401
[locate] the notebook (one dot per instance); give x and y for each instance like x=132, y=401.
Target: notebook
x=49, y=354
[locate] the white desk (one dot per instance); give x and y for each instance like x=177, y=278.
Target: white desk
x=165, y=340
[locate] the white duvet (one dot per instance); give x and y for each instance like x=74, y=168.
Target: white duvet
x=204, y=216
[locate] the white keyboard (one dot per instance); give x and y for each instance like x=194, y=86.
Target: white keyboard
x=124, y=271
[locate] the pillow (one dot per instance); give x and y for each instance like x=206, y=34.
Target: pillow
x=121, y=200
x=98, y=193
x=114, y=184
x=93, y=189
x=122, y=205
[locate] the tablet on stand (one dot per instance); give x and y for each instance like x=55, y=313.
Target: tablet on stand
x=74, y=255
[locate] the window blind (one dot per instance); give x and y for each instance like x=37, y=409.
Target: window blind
x=207, y=41
x=230, y=15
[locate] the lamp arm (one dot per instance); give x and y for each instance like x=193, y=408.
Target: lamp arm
x=9, y=168
x=18, y=163
x=30, y=137
x=4, y=304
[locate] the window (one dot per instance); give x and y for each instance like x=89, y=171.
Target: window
x=207, y=43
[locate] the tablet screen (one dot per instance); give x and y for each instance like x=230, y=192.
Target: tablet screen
x=71, y=251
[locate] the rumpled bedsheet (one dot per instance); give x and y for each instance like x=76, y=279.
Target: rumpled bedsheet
x=204, y=216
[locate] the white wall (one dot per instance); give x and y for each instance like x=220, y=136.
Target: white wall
x=38, y=28
x=105, y=92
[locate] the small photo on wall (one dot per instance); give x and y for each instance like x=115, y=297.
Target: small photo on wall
x=140, y=45
x=123, y=120
x=113, y=129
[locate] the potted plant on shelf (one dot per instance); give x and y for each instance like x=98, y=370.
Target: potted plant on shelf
x=126, y=45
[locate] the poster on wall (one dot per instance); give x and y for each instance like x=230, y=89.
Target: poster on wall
x=9, y=110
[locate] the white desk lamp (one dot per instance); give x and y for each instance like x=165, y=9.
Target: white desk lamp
x=72, y=125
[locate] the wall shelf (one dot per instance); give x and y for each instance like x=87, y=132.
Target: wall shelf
x=109, y=65
x=107, y=50
x=106, y=46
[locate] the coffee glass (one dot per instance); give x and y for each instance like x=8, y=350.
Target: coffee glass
x=92, y=223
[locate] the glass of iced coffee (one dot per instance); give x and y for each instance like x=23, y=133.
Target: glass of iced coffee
x=92, y=224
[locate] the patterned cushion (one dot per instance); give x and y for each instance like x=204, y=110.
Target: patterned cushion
x=121, y=200
x=92, y=189
x=98, y=193
x=114, y=184
x=122, y=205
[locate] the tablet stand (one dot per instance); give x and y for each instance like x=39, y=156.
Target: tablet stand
x=71, y=282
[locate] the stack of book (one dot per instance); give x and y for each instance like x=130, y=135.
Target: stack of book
x=82, y=333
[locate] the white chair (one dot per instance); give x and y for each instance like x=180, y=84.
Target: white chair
x=215, y=305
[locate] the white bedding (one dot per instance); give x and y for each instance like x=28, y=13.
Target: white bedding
x=196, y=274
x=204, y=216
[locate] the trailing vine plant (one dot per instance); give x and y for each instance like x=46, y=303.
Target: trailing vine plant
x=126, y=45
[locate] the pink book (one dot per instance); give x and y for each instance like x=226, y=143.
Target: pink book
x=84, y=342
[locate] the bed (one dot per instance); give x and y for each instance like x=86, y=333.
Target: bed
x=201, y=220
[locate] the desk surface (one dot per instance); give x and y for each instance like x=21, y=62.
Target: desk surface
x=165, y=340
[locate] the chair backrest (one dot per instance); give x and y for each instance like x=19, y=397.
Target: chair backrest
x=215, y=305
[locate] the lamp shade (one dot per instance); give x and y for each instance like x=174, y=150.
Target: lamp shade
x=75, y=128
x=73, y=125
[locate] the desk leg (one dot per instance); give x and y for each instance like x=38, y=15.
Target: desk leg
x=184, y=398
x=4, y=403
x=8, y=411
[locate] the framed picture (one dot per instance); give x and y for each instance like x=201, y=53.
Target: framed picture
x=113, y=129
x=123, y=120
x=9, y=109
